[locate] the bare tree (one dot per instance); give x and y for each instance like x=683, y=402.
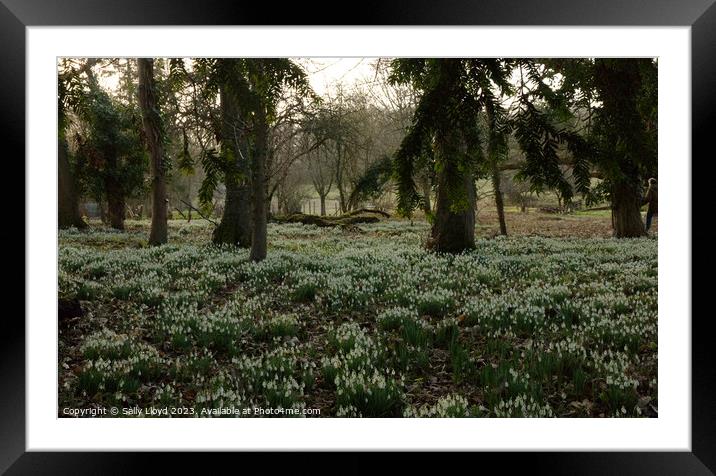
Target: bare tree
x=319, y=168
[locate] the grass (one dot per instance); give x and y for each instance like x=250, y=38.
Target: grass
x=361, y=324
x=593, y=213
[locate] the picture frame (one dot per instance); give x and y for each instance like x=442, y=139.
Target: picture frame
x=700, y=15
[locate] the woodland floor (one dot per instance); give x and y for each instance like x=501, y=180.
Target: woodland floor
x=556, y=320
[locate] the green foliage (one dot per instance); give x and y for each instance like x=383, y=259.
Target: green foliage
x=305, y=292
x=369, y=394
x=458, y=98
x=435, y=303
x=185, y=162
x=622, y=127
x=109, y=146
x=446, y=332
x=462, y=365
x=371, y=184
x=215, y=167
x=393, y=318
x=283, y=325
x=279, y=377
x=461, y=98
x=250, y=88
x=445, y=120
x=449, y=406
x=539, y=139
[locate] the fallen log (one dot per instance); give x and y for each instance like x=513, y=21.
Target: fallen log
x=352, y=220
x=550, y=210
x=367, y=210
x=305, y=219
x=326, y=221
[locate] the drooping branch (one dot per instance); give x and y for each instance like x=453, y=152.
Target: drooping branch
x=199, y=212
x=517, y=165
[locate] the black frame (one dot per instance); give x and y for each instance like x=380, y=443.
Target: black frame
x=15, y=15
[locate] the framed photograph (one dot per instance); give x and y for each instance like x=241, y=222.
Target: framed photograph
x=432, y=229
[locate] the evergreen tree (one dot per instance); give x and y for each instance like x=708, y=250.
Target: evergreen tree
x=621, y=140
x=445, y=134
x=110, y=159
x=249, y=94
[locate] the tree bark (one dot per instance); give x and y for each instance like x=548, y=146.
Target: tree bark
x=258, y=182
x=323, y=205
x=342, y=196
x=153, y=134
x=453, y=230
x=235, y=225
x=626, y=214
x=116, y=207
x=100, y=208
x=68, y=211
x=499, y=203
x=619, y=84
x=427, y=206
x=340, y=185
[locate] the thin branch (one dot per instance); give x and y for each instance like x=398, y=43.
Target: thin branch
x=199, y=212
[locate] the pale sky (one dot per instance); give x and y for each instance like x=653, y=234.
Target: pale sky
x=323, y=73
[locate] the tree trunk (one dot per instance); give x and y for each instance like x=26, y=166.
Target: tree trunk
x=153, y=133
x=342, y=196
x=619, y=85
x=453, y=230
x=115, y=203
x=323, y=205
x=626, y=214
x=340, y=166
x=427, y=206
x=235, y=226
x=499, y=203
x=258, y=182
x=68, y=211
x=100, y=209
x=269, y=203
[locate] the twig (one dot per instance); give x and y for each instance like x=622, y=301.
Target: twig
x=199, y=212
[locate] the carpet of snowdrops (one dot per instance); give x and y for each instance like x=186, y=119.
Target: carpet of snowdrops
x=361, y=323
